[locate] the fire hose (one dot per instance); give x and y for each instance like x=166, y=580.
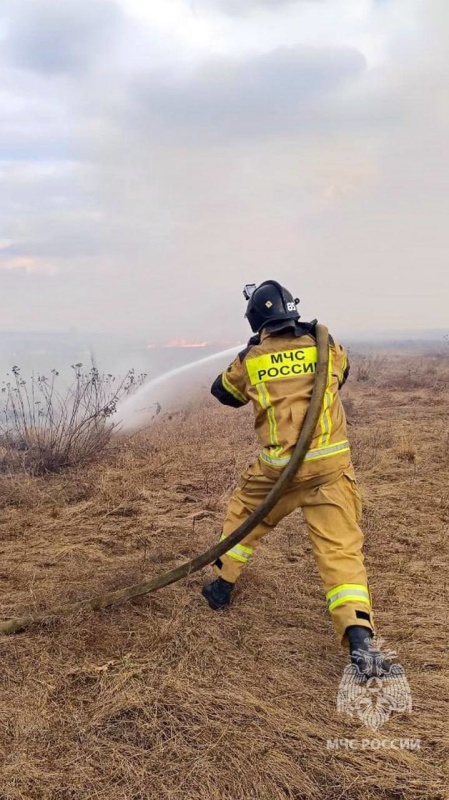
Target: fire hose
x=209, y=556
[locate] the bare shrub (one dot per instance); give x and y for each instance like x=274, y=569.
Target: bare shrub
x=45, y=426
x=366, y=368
x=415, y=376
x=362, y=372
x=368, y=443
x=428, y=371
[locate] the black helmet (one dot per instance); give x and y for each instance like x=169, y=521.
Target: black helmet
x=269, y=302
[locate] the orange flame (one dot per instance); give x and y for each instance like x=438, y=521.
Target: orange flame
x=185, y=343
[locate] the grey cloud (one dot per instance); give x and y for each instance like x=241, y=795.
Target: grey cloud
x=48, y=211
x=34, y=120
x=301, y=165
x=267, y=94
x=59, y=37
x=57, y=240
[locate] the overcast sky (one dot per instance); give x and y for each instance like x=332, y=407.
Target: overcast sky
x=156, y=155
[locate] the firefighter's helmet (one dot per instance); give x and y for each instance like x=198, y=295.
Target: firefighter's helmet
x=269, y=302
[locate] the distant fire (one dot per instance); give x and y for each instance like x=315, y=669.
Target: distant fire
x=191, y=344
x=185, y=343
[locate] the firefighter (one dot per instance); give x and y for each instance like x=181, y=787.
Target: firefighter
x=276, y=373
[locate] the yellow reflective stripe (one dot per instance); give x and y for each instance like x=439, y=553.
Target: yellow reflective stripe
x=326, y=452
x=265, y=402
x=273, y=428
x=349, y=598
x=240, y=551
x=330, y=397
x=347, y=593
x=237, y=557
x=236, y=553
x=274, y=439
x=274, y=461
x=326, y=420
x=343, y=587
x=248, y=550
x=231, y=389
x=312, y=455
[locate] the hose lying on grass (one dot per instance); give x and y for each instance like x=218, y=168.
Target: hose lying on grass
x=209, y=556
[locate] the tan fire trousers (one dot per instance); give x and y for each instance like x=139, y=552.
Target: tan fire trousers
x=331, y=505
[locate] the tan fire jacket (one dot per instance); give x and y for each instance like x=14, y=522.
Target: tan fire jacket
x=277, y=375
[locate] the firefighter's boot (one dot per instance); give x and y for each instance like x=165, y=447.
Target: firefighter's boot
x=365, y=656
x=218, y=593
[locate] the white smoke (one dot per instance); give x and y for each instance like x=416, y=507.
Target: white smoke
x=171, y=392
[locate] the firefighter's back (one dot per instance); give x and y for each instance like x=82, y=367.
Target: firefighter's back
x=280, y=373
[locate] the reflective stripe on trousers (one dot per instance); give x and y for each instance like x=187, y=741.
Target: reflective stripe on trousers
x=240, y=552
x=347, y=593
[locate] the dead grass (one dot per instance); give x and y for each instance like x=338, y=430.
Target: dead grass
x=406, y=449
x=162, y=698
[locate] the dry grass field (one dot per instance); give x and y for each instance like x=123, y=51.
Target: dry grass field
x=162, y=698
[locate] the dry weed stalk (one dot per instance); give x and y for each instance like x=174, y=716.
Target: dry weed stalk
x=45, y=427
x=406, y=449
